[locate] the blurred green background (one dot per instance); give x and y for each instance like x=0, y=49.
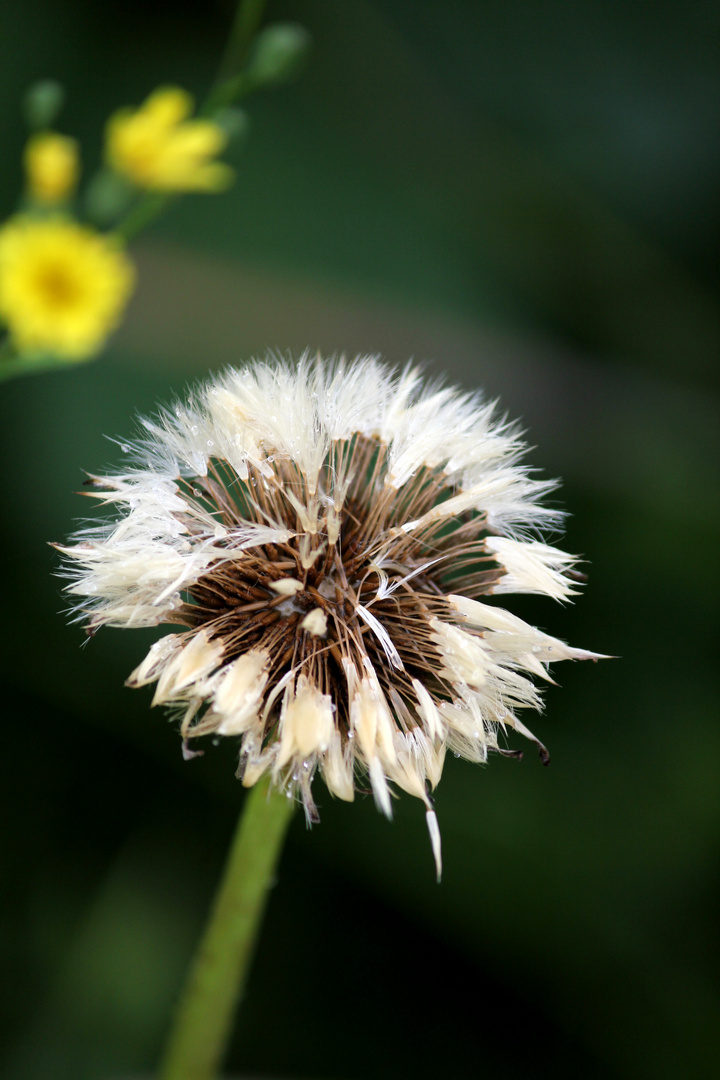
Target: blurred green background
x=523, y=195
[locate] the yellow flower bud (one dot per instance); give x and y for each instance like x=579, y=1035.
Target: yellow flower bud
x=51, y=167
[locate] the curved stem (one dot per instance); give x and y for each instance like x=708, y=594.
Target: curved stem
x=219, y=971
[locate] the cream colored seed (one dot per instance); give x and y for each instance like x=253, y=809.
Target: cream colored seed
x=287, y=586
x=315, y=622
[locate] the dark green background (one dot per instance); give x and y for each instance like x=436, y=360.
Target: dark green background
x=523, y=195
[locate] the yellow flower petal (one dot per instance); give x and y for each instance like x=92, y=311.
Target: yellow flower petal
x=168, y=106
x=199, y=139
x=157, y=148
x=211, y=178
x=63, y=287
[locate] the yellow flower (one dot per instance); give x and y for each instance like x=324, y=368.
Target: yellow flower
x=63, y=287
x=51, y=166
x=157, y=147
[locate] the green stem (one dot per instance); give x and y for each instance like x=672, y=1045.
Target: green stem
x=244, y=27
x=13, y=364
x=149, y=207
x=217, y=978
x=231, y=82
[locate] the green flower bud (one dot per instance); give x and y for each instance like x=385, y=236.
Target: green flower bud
x=42, y=104
x=233, y=121
x=107, y=197
x=278, y=53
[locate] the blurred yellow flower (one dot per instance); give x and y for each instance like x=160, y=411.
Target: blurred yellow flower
x=157, y=147
x=51, y=167
x=63, y=287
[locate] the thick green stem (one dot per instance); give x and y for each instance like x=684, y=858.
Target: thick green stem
x=203, y=1022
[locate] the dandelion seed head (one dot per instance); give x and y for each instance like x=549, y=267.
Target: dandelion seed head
x=329, y=538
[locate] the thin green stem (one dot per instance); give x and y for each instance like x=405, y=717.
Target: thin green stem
x=232, y=82
x=244, y=27
x=13, y=364
x=203, y=1023
x=145, y=211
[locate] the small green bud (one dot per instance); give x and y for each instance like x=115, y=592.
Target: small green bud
x=234, y=122
x=278, y=53
x=107, y=197
x=42, y=104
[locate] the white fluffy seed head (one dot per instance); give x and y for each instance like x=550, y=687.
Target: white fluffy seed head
x=328, y=537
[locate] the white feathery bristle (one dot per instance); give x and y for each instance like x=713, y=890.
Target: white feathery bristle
x=428, y=712
x=465, y=657
x=306, y=723
x=372, y=720
x=240, y=691
x=380, y=788
x=435, y=841
x=337, y=768
x=193, y=663
x=532, y=567
x=382, y=635
x=155, y=661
